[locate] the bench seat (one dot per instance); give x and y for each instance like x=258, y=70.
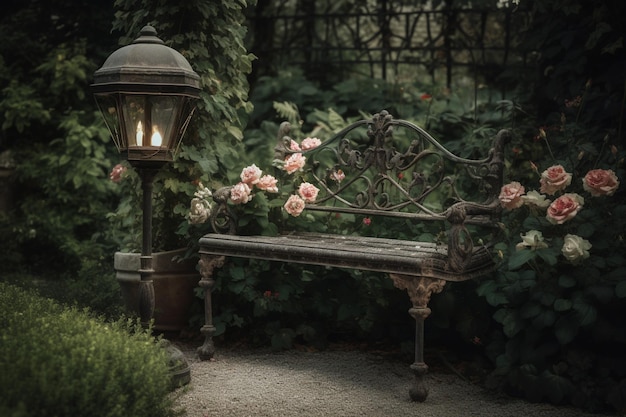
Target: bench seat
x=393, y=256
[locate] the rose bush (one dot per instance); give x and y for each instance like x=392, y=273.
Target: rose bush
x=598, y=182
x=252, y=178
x=558, y=297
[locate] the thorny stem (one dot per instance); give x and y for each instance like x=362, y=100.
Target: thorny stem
x=545, y=139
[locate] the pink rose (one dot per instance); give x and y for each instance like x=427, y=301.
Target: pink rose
x=599, y=182
x=117, y=172
x=294, y=205
x=310, y=143
x=564, y=208
x=308, y=192
x=240, y=193
x=293, y=145
x=251, y=174
x=267, y=183
x=554, y=179
x=511, y=195
x=294, y=163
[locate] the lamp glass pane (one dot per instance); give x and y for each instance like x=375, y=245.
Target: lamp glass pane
x=164, y=115
x=135, y=121
x=108, y=105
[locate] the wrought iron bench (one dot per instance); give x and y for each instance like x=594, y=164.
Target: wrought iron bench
x=390, y=168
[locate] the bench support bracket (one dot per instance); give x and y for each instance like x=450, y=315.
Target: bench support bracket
x=419, y=289
x=207, y=264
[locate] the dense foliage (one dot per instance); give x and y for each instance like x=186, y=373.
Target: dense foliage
x=55, y=225
x=549, y=322
x=210, y=35
x=59, y=361
x=559, y=294
x=68, y=218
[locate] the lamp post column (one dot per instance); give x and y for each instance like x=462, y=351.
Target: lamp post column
x=146, y=286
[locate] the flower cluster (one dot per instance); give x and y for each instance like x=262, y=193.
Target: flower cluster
x=252, y=177
x=554, y=180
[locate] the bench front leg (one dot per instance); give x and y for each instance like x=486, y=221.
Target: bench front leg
x=419, y=289
x=207, y=264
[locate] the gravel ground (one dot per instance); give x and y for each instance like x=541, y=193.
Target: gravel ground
x=244, y=383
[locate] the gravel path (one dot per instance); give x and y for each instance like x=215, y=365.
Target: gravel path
x=334, y=383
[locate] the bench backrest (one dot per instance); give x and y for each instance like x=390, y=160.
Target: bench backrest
x=394, y=168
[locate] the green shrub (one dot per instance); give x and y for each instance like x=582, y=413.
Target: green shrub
x=60, y=361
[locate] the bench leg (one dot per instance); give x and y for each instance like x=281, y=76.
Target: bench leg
x=206, y=265
x=419, y=289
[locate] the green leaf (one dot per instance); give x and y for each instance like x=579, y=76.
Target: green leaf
x=208, y=165
x=235, y=132
x=532, y=223
x=620, y=289
x=347, y=311
x=618, y=274
x=308, y=90
x=585, y=230
x=237, y=273
x=544, y=319
x=496, y=299
x=500, y=315
x=586, y=312
x=548, y=255
x=567, y=281
x=566, y=329
x=307, y=276
x=530, y=309
x=556, y=387
x=562, y=304
x=520, y=257
x=489, y=290
x=503, y=364
x=283, y=339
x=512, y=324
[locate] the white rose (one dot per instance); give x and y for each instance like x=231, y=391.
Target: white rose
x=533, y=239
x=199, y=211
x=203, y=192
x=575, y=248
x=535, y=198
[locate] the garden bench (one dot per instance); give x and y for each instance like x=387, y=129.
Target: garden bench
x=390, y=169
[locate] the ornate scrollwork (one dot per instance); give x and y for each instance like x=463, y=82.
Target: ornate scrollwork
x=419, y=288
x=397, y=167
x=283, y=141
x=223, y=218
x=460, y=244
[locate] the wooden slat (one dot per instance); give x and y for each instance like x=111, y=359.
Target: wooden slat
x=354, y=252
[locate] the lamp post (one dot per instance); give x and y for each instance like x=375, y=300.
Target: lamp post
x=146, y=92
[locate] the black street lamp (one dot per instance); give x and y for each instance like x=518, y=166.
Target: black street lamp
x=147, y=93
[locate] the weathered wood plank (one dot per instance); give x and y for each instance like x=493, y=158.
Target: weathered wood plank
x=356, y=252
